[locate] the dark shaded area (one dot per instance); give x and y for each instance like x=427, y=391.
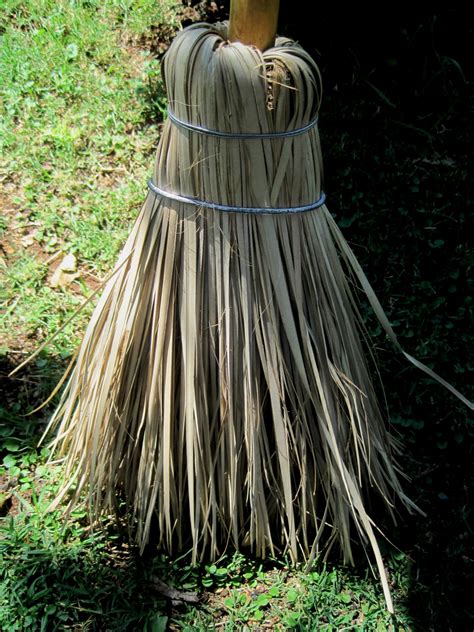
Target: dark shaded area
x=21, y=424
x=95, y=577
x=98, y=586
x=20, y=395
x=397, y=133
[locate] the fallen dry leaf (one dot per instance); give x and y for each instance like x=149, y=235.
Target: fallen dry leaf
x=65, y=273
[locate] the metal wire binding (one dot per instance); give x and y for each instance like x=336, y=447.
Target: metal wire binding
x=262, y=210
x=243, y=135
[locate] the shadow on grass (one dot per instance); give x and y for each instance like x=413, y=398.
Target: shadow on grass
x=21, y=425
x=21, y=394
x=58, y=577
x=57, y=573
x=440, y=546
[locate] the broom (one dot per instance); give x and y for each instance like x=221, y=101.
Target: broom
x=221, y=387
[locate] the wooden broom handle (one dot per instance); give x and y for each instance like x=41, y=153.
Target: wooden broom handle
x=254, y=22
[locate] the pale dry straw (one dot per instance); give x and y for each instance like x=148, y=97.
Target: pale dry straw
x=221, y=387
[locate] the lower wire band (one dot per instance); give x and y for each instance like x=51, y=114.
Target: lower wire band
x=256, y=210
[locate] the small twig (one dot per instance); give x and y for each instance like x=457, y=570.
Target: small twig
x=426, y=471
x=177, y=597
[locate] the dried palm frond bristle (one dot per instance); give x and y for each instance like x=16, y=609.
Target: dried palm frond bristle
x=221, y=385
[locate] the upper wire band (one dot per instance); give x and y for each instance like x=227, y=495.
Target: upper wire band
x=200, y=129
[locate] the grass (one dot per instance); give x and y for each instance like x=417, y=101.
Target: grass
x=57, y=575
x=77, y=96
x=81, y=102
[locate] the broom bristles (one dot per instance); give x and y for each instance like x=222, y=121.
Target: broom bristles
x=221, y=384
